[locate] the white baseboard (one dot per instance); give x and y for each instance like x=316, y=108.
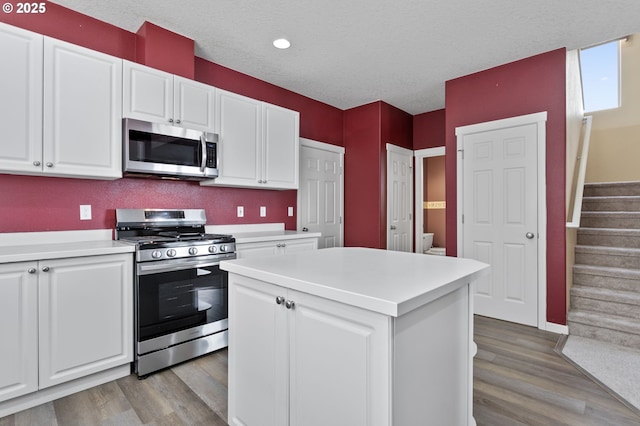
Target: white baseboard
x=556, y=328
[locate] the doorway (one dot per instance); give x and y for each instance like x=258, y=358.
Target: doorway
x=430, y=208
x=321, y=193
x=399, y=198
x=502, y=215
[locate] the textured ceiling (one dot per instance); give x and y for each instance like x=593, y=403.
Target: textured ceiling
x=351, y=52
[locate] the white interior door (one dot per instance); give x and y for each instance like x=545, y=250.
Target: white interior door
x=500, y=219
x=399, y=198
x=320, y=197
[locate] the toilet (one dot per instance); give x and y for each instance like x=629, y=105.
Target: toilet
x=427, y=241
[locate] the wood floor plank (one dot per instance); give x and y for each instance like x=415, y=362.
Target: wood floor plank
x=183, y=400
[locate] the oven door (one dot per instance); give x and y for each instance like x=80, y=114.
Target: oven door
x=178, y=301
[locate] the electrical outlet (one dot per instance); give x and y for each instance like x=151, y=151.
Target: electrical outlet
x=240, y=211
x=85, y=211
x=263, y=211
x=290, y=211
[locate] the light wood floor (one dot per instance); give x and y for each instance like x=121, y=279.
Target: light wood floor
x=519, y=380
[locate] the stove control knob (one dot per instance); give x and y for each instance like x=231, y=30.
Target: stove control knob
x=193, y=250
x=223, y=248
x=171, y=252
x=156, y=254
x=213, y=249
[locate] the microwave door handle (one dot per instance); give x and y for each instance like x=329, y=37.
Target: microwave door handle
x=203, y=148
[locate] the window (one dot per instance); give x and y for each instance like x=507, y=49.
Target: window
x=600, y=67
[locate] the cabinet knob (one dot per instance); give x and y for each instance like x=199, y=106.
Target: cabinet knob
x=171, y=120
x=178, y=121
x=49, y=164
x=37, y=163
x=279, y=300
x=45, y=269
x=289, y=304
x=31, y=270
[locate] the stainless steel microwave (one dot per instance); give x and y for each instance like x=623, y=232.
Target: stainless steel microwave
x=165, y=151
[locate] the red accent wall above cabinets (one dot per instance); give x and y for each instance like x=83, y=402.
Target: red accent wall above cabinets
x=162, y=49
x=429, y=129
x=318, y=121
x=367, y=130
x=67, y=25
x=527, y=86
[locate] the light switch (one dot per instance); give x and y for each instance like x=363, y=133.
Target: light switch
x=290, y=211
x=263, y=211
x=240, y=211
x=85, y=211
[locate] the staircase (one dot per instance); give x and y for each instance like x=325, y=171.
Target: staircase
x=605, y=297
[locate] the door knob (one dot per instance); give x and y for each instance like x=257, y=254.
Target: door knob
x=529, y=235
x=393, y=227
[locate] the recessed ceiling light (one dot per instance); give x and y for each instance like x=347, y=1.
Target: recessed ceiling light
x=282, y=43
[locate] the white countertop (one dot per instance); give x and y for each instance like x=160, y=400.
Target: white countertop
x=254, y=233
x=30, y=246
x=388, y=282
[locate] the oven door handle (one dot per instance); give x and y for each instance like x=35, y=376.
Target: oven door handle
x=147, y=268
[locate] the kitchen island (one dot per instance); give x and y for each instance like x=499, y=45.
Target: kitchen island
x=351, y=336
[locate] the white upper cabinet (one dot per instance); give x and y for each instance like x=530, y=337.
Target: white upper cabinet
x=281, y=147
x=194, y=104
x=82, y=112
x=158, y=96
x=60, y=109
x=258, y=145
x=21, y=100
x=239, y=147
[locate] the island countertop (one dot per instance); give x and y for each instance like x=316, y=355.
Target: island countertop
x=388, y=282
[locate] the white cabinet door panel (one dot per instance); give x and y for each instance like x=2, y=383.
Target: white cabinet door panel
x=18, y=330
x=82, y=112
x=194, y=104
x=147, y=93
x=258, y=361
x=21, y=100
x=281, y=147
x=86, y=308
x=339, y=355
x=240, y=126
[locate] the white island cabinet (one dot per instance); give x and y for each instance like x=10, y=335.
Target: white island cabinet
x=351, y=336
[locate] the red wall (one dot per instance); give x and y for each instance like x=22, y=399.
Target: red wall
x=367, y=130
x=362, y=207
x=162, y=49
x=528, y=86
x=429, y=129
x=73, y=27
x=45, y=204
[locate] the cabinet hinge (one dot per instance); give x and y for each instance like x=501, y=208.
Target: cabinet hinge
x=462, y=218
x=461, y=151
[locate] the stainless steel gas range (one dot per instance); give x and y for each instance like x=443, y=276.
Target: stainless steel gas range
x=180, y=290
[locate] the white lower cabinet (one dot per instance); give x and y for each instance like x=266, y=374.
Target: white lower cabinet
x=18, y=330
x=266, y=248
x=298, y=359
x=63, y=319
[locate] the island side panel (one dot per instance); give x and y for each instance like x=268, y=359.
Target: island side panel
x=431, y=377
